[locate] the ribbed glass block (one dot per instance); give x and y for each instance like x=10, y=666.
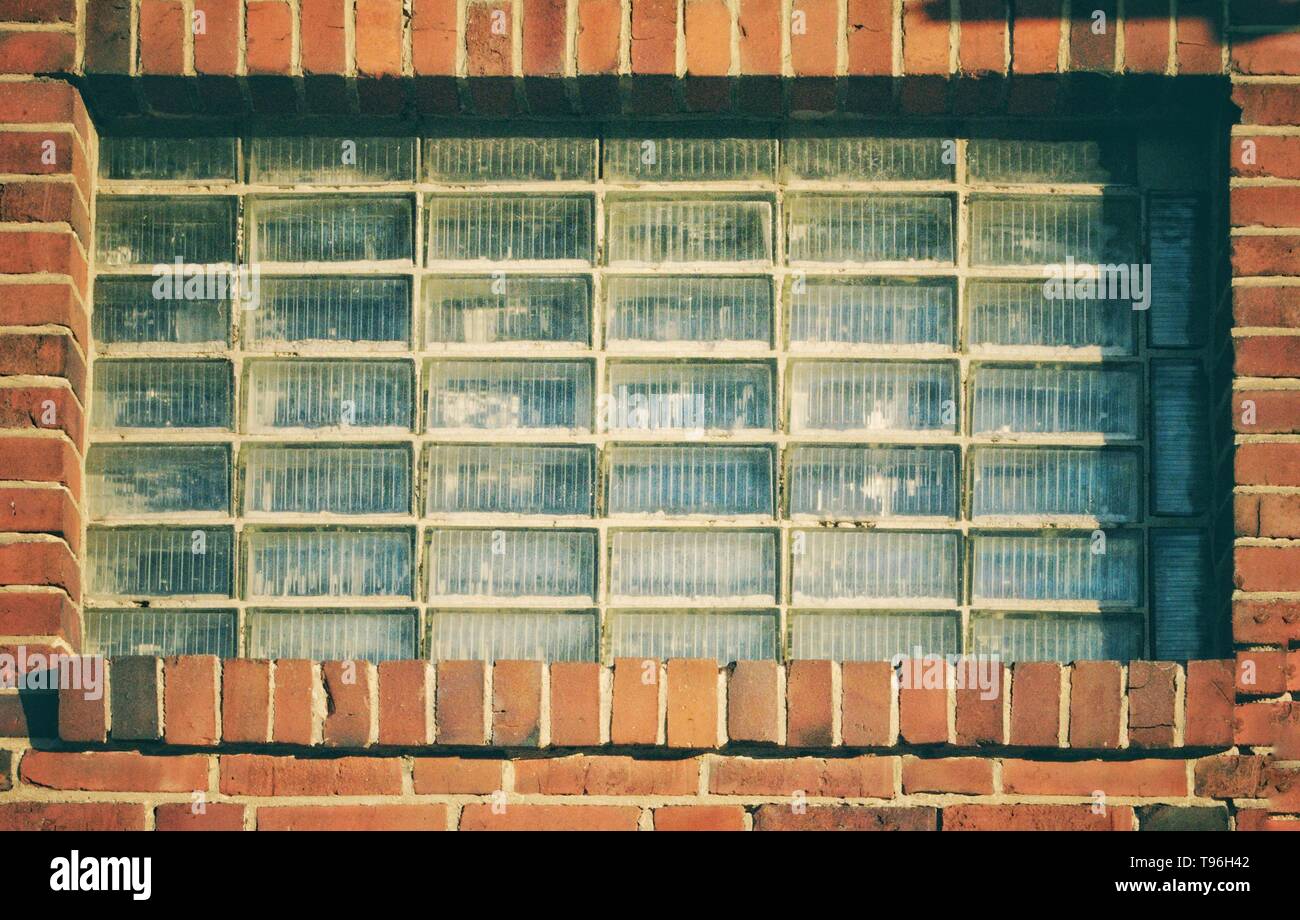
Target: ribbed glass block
x=696, y=479
x=652, y=230
x=870, y=482
x=1180, y=448
x=509, y=479
x=1057, y=637
x=1050, y=482
x=157, y=561
x=870, y=311
x=692, y=159
x=161, y=394
x=873, y=636
x=329, y=563
x=1048, y=230
x=1058, y=567
x=1180, y=263
x=509, y=394
x=509, y=159
x=333, y=635
x=726, y=637
x=1182, y=597
x=509, y=308
x=509, y=227
x=866, y=159
x=202, y=159
x=150, y=231
x=512, y=564
x=118, y=633
x=694, y=565
x=842, y=565
x=688, y=309
x=124, y=479
x=515, y=635
x=1018, y=313
x=1020, y=160
x=699, y=396
x=330, y=228
x=296, y=159
x=128, y=312
x=872, y=396
x=1057, y=399
x=335, y=479
x=329, y=394
x=345, y=310
x=869, y=228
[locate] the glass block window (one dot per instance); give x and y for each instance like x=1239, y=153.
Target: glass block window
x=750, y=392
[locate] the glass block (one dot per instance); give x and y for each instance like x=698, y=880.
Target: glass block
x=691, y=159
x=152, y=231
x=654, y=230
x=195, y=159
x=515, y=635
x=509, y=228
x=843, y=565
x=333, y=635
x=689, y=397
x=1057, y=637
x=161, y=633
x=873, y=636
x=870, y=311
x=869, y=228
x=1053, y=482
x=128, y=312
x=123, y=479
x=329, y=394
x=695, y=479
x=1057, y=399
x=1180, y=266
x=866, y=159
x=343, y=310
x=1180, y=448
x=688, y=309
x=872, y=396
x=508, y=308
x=1019, y=313
x=161, y=394
x=331, y=228
x=159, y=561
x=509, y=394
x=334, y=479
x=512, y=564
x=295, y=159
x=694, y=565
x=1031, y=161
x=1058, y=567
x=1182, y=600
x=873, y=482
x=726, y=637
x=329, y=563
x=1048, y=230
x=509, y=479
x=509, y=159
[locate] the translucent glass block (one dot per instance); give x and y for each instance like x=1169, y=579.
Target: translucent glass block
x=653, y=230
x=509, y=159
x=1058, y=567
x=344, y=310
x=1057, y=637
x=872, y=396
x=873, y=482
x=329, y=563
x=127, y=312
x=515, y=635
x=197, y=159
x=694, y=565
x=509, y=479
x=1048, y=230
x=512, y=564
x=726, y=637
x=509, y=394
x=873, y=636
x=869, y=228
x=509, y=227
x=159, y=561
x=162, y=633
x=693, y=159
x=296, y=159
x=695, y=479
x=511, y=308
x=1020, y=160
x=1057, y=399
x=870, y=311
x=161, y=394
x=329, y=394
x=333, y=635
x=1186, y=626
x=330, y=228
x=1018, y=313
x=663, y=396
x=150, y=231
x=126, y=479
x=338, y=480
x=865, y=159
x=1180, y=449
x=842, y=565
x=1180, y=263
x=688, y=309
x=1053, y=482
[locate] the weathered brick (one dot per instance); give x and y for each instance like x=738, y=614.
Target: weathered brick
x=867, y=689
x=550, y=818
x=245, y=701
x=814, y=51
x=404, y=712
x=692, y=716
x=71, y=816
x=1228, y=777
x=349, y=712
x=575, y=703
x=1036, y=818
x=843, y=818
x=516, y=703
x=213, y=816
x=282, y=775
x=352, y=818
x=190, y=694
x=135, y=687
x=699, y=818
x=1152, y=691
x=295, y=701
x=753, y=701
x=114, y=771
x=1096, y=692
x=809, y=703
x=963, y=775
x=636, y=701
x=456, y=776
x=1152, y=778
x=851, y=777
x=461, y=707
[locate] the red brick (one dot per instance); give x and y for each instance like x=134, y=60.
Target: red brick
x=82, y=718
x=352, y=818
x=1036, y=36
x=1273, y=305
x=1150, y=778
x=1228, y=777
x=516, y=703
x=45, y=562
x=922, y=710
x=867, y=689
x=71, y=816
x=1275, y=412
x=461, y=707
x=982, y=46
x=1267, y=568
x=270, y=37
x=1151, y=703
x=870, y=38
x=843, y=818
x=295, y=702
x=114, y=771
x=700, y=818
x=457, y=776
x=759, y=24
x=1270, y=53
x=753, y=701
x=53, y=251
x=48, y=408
x=654, y=36
x=809, y=703
x=215, y=816
x=1280, y=784
x=379, y=37
x=1265, y=206
x=50, y=203
x=1036, y=818
x=1257, y=819
x=38, y=11
x=599, y=26
x=43, y=354
x=850, y=777
x=43, y=101
x=1264, y=621
x=1273, y=156
x=281, y=775
x=404, y=703
x=1267, y=356
x=978, y=718
x=961, y=775
x=38, y=613
x=1146, y=35
x=349, y=713
x=1261, y=673
x=162, y=37
x=245, y=700
x=925, y=38
x=1264, y=104
x=575, y=703
x=708, y=38
x=1096, y=693
x=487, y=40
x=323, y=36
x=216, y=48
x=692, y=703
x=36, y=52
x=190, y=691
x=550, y=818
x=42, y=511
x=636, y=701
x=814, y=52
x=1266, y=255
x=38, y=304
x=1088, y=49
x=545, y=25
x=1264, y=724
x=135, y=699
x=433, y=37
